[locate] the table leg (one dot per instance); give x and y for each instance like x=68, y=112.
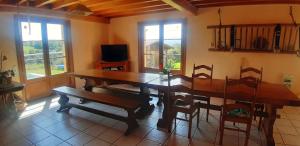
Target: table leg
x=2, y=106
x=88, y=86
x=11, y=105
x=268, y=123
x=164, y=122
x=146, y=108
x=7, y=105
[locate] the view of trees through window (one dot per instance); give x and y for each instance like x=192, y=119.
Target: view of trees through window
x=34, y=49
x=171, y=46
x=56, y=46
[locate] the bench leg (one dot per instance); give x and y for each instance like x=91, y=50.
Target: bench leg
x=63, y=101
x=131, y=122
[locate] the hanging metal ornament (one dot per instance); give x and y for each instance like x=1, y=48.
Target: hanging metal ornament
x=297, y=29
x=220, y=25
x=292, y=16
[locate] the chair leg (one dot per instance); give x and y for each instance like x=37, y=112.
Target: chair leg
x=256, y=109
x=198, y=117
x=260, y=119
x=247, y=134
x=175, y=124
x=207, y=112
x=259, y=123
x=190, y=125
x=221, y=132
x=173, y=115
x=160, y=96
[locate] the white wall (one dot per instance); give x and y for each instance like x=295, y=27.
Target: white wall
x=86, y=40
x=199, y=38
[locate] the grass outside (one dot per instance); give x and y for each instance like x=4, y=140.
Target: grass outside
x=39, y=69
x=177, y=65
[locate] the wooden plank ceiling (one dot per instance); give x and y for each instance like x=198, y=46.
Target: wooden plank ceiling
x=120, y=8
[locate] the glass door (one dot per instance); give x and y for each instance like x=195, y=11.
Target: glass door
x=151, y=47
x=43, y=55
x=172, y=48
x=57, y=50
x=33, y=49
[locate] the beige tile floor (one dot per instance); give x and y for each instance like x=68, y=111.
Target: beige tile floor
x=41, y=125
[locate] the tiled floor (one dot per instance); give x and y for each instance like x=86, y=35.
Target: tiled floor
x=41, y=125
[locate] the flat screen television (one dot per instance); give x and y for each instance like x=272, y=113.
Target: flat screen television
x=114, y=53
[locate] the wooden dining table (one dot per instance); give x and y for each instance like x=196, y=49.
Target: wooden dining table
x=274, y=96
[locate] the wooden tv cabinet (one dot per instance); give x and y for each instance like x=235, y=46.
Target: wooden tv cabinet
x=115, y=66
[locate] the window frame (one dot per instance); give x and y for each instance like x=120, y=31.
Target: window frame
x=47, y=64
x=161, y=24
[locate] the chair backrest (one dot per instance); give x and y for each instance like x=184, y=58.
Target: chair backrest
x=198, y=74
x=244, y=74
x=180, y=84
x=240, y=90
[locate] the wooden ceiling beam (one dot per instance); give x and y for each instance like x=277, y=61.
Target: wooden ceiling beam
x=182, y=5
x=92, y=3
x=143, y=9
x=140, y=13
x=117, y=3
x=47, y=12
x=41, y=3
x=64, y=3
x=20, y=2
x=215, y=3
x=237, y=4
x=130, y=6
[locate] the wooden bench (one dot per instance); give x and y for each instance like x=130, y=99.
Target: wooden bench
x=127, y=101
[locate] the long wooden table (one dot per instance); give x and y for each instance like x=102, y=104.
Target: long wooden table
x=275, y=96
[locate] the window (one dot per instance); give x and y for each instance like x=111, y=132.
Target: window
x=57, y=52
x=43, y=47
x=162, y=43
x=33, y=50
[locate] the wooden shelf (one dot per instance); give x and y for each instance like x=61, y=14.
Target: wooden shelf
x=256, y=38
x=251, y=51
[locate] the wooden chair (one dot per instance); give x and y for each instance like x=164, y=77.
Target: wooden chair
x=198, y=74
x=238, y=112
x=244, y=74
x=253, y=74
x=182, y=99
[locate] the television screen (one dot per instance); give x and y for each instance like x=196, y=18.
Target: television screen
x=114, y=53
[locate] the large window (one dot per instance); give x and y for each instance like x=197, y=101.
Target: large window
x=162, y=44
x=43, y=47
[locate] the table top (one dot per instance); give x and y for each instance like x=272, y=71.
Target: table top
x=13, y=87
x=124, y=77
x=267, y=92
